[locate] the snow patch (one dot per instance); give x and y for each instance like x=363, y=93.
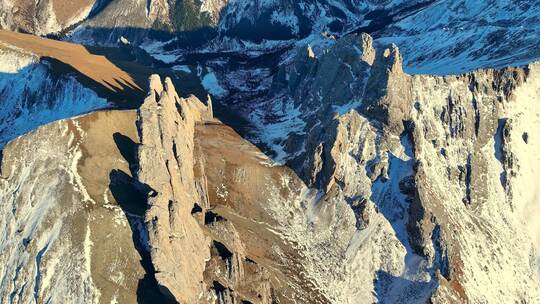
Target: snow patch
x=343, y=109
x=211, y=84
x=182, y=68
x=156, y=49
x=32, y=96
x=275, y=128
x=287, y=19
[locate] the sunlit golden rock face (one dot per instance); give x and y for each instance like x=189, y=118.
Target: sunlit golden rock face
x=319, y=171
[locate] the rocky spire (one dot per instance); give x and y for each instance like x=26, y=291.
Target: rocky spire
x=388, y=93
x=179, y=248
x=310, y=52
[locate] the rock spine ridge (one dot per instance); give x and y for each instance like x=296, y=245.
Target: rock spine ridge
x=178, y=246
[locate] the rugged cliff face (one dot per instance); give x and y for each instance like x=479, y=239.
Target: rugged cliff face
x=64, y=236
x=397, y=192
x=355, y=181
x=429, y=157
x=166, y=126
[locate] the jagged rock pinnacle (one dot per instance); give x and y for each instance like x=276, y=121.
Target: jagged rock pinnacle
x=166, y=132
x=155, y=85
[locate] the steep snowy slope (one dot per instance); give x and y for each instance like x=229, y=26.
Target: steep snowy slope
x=43, y=80
x=449, y=37
x=431, y=154
x=284, y=19
x=64, y=236
x=379, y=183
x=32, y=95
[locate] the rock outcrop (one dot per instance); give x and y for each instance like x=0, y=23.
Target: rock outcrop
x=43, y=17
x=387, y=94
x=179, y=248
x=384, y=187
x=67, y=234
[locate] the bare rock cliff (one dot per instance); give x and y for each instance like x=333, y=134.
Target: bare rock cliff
x=429, y=165
x=166, y=125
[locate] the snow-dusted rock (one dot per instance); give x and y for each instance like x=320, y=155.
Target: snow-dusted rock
x=434, y=156
x=33, y=95
x=65, y=237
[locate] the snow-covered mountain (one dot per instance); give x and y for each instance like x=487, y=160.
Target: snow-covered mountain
x=348, y=151
x=436, y=37
x=33, y=96
x=451, y=37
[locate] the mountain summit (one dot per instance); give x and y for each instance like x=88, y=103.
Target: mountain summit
x=276, y=151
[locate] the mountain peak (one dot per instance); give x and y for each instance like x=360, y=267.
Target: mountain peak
x=279, y=151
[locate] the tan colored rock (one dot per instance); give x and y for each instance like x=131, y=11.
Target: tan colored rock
x=43, y=17
x=388, y=93
x=179, y=247
x=70, y=239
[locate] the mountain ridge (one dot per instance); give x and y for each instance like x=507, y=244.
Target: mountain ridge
x=273, y=155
